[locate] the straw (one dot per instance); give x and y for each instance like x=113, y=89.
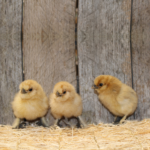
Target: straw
x=130, y=135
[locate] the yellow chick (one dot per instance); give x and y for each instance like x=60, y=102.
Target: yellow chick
x=120, y=99
x=30, y=103
x=65, y=102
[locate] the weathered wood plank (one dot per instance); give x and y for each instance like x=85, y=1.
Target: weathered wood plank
x=141, y=55
x=10, y=56
x=104, y=48
x=49, y=42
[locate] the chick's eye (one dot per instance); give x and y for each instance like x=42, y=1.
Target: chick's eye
x=101, y=84
x=64, y=92
x=30, y=89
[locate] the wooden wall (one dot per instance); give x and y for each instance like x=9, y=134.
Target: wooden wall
x=48, y=42
x=10, y=56
x=140, y=37
x=113, y=38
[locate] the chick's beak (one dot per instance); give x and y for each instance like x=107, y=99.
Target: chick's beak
x=23, y=91
x=94, y=87
x=58, y=94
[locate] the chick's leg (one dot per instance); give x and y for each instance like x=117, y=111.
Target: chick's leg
x=117, y=119
x=23, y=123
x=16, y=123
x=43, y=122
x=57, y=121
x=78, y=123
x=81, y=120
x=123, y=119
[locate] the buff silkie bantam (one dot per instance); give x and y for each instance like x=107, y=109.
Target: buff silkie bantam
x=30, y=103
x=120, y=99
x=65, y=102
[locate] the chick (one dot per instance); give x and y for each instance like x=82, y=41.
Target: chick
x=120, y=99
x=65, y=102
x=30, y=103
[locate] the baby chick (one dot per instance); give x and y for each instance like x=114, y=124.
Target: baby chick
x=120, y=99
x=65, y=102
x=30, y=103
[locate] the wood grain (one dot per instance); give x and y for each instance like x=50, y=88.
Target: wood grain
x=49, y=42
x=104, y=48
x=141, y=55
x=10, y=56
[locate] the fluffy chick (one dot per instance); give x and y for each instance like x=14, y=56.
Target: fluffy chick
x=65, y=102
x=30, y=103
x=120, y=99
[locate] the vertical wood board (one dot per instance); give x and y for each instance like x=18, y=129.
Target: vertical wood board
x=141, y=55
x=103, y=48
x=49, y=42
x=10, y=56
